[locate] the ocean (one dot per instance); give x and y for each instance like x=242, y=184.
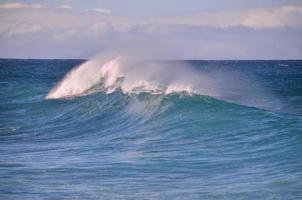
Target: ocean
x=129, y=129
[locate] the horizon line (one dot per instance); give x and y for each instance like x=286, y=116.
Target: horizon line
x=195, y=59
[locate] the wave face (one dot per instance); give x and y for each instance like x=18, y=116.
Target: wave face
x=122, y=128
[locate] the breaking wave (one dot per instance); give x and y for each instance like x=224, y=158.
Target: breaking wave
x=124, y=128
x=131, y=75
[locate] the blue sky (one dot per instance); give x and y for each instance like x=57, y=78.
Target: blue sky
x=177, y=29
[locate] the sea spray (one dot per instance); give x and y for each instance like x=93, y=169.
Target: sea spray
x=132, y=75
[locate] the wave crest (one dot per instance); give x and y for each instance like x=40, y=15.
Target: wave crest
x=131, y=75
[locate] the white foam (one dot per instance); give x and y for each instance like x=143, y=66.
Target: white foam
x=130, y=75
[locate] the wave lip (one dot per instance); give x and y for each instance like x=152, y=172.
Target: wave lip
x=81, y=79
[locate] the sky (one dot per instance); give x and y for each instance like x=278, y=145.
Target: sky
x=165, y=29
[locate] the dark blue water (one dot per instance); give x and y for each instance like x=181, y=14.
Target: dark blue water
x=150, y=146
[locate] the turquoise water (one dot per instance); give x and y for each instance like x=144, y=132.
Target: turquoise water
x=152, y=145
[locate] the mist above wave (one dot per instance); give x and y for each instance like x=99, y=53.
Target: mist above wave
x=131, y=75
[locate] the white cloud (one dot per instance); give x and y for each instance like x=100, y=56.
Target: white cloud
x=273, y=17
x=68, y=7
x=102, y=10
x=217, y=34
x=17, y=5
x=22, y=30
x=256, y=18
